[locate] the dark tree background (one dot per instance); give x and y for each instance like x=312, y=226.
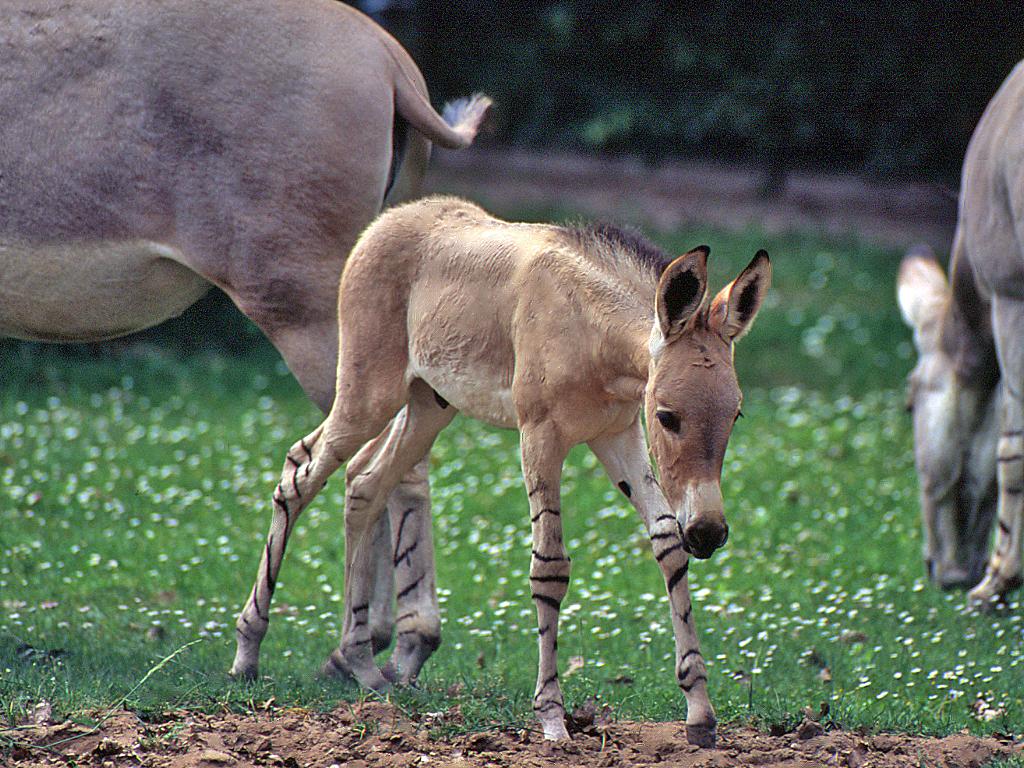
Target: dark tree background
x=887, y=88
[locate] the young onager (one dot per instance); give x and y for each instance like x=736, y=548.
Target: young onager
x=563, y=333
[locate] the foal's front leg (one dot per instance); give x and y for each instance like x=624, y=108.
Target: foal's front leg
x=625, y=458
x=542, y=455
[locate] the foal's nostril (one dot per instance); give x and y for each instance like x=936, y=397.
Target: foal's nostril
x=702, y=538
x=930, y=565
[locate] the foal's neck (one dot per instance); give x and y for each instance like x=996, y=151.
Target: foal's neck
x=625, y=348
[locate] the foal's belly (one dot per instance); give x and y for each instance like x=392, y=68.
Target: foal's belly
x=482, y=394
x=91, y=291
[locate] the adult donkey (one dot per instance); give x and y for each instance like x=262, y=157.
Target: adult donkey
x=564, y=333
x=967, y=390
x=150, y=149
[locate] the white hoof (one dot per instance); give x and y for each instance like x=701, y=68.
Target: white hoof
x=554, y=728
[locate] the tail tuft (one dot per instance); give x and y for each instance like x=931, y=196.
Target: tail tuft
x=467, y=114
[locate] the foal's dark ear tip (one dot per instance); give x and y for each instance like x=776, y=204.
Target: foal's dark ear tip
x=762, y=254
x=705, y=249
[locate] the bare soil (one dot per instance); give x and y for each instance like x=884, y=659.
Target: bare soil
x=378, y=734
x=699, y=193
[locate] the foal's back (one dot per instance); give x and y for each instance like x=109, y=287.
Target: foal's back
x=432, y=289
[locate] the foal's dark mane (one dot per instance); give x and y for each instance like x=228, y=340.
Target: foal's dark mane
x=620, y=241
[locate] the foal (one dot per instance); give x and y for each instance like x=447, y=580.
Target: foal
x=560, y=332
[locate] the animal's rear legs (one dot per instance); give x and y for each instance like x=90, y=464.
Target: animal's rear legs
x=418, y=620
x=371, y=477
x=308, y=465
x=306, y=469
x=1003, y=574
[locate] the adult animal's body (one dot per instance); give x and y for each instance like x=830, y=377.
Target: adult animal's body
x=152, y=148
x=967, y=390
x=565, y=334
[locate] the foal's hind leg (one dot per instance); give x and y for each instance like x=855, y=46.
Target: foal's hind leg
x=396, y=452
x=419, y=615
x=308, y=465
x=310, y=462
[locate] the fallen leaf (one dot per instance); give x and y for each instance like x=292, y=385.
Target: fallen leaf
x=42, y=713
x=808, y=729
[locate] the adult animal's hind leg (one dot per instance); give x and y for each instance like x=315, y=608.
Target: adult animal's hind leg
x=1003, y=574
x=370, y=481
x=626, y=460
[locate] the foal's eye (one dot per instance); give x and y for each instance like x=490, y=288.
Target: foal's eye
x=668, y=420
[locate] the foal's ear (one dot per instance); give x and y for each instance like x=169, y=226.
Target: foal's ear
x=735, y=307
x=681, y=290
x=921, y=287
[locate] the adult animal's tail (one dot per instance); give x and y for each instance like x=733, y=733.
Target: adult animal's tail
x=455, y=129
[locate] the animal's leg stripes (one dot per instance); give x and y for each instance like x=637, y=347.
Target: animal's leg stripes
x=418, y=622
x=542, y=456
x=374, y=473
x=307, y=466
x=626, y=460
x=1003, y=573
x=1004, y=568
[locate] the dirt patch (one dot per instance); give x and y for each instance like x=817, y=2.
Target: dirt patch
x=377, y=734
x=696, y=193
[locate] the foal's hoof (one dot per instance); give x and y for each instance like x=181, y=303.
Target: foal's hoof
x=704, y=736
x=553, y=724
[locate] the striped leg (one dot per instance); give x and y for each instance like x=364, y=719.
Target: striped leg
x=308, y=465
x=625, y=458
x=412, y=557
x=542, y=456
x=412, y=493
x=373, y=474
x=1003, y=574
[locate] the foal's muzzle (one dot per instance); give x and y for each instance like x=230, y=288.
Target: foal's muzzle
x=702, y=521
x=702, y=537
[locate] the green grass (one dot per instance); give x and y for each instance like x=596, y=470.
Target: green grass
x=134, y=493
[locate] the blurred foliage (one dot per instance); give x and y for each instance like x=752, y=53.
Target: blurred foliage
x=889, y=88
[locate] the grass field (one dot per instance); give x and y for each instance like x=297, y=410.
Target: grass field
x=135, y=499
